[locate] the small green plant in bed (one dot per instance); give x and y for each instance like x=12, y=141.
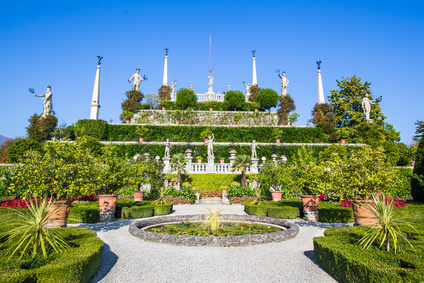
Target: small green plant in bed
x=225, y=229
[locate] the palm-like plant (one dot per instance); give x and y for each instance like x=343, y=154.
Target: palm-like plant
x=162, y=194
x=240, y=163
x=31, y=231
x=179, y=162
x=387, y=227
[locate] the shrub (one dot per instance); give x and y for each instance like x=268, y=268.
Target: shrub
x=159, y=210
x=258, y=210
x=18, y=149
x=40, y=127
x=186, y=98
x=4, y=157
x=267, y=98
x=323, y=116
x=417, y=182
x=135, y=212
x=234, y=100
x=285, y=212
x=286, y=105
x=91, y=128
x=84, y=213
x=334, y=213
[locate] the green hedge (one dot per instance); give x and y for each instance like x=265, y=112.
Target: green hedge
x=162, y=209
x=135, y=212
x=258, y=210
x=284, y=212
x=77, y=264
x=334, y=213
x=339, y=255
x=222, y=134
x=92, y=128
x=84, y=213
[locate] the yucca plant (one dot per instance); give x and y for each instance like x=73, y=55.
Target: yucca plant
x=30, y=231
x=387, y=228
x=213, y=221
x=162, y=194
x=257, y=195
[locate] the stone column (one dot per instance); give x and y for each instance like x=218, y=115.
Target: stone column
x=96, y=96
x=211, y=164
x=232, y=156
x=189, y=158
x=320, y=89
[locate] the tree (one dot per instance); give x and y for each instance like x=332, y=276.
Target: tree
x=286, y=105
x=163, y=93
x=41, y=128
x=234, y=100
x=178, y=162
x=417, y=181
x=152, y=99
x=350, y=121
x=254, y=91
x=419, y=131
x=132, y=103
x=323, y=116
x=240, y=163
x=267, y=98
x=186, y=98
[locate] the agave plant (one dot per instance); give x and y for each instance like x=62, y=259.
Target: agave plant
x=387, y=227
x=30, y=231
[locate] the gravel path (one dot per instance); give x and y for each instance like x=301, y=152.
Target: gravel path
x=129, y=259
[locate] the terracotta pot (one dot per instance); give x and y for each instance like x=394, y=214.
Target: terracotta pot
x=141, y=139
x=277, y=140
x=107, y=203
x=163, y=108
x=59, y=213
x=222, y=160
x=413, y=163
x=362, y=215
x=293, y=123
x=310, y=202
x=206, y=139
x=210, y=109
x=127, y=121
x=177, y=122
x=238, y=123
x=139, y=196
x=256, y=110
x=276, y=195
x=199, y=160
x=343, y=141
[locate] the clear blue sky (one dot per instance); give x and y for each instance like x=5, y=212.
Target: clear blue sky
x=56, y=43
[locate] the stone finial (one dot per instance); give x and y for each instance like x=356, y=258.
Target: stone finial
x=188, y=152
x=283, y=158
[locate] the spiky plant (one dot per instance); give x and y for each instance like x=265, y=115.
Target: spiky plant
x=30, y=231
x=213, y=221
x=387, y=228
x=162, y=194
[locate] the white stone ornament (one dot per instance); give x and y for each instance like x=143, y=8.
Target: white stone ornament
x=137, y=79
x=47, y=101
x=366, y=106
x=284, y=83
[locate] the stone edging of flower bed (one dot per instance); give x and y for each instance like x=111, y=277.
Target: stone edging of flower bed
x=136, y=229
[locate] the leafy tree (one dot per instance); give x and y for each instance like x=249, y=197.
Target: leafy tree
x=164, y=93
x=419, y=131
x=64, y=132
x=323, y=116
x=234, y=100
x=286, y=106
x=350, y=121
x=4, y=156
x=240, y=163
x=148, y=171
x=152, y=100
x=186, y=98
x=267, y=98
x=132, y=103
x=417, y=182
x=254, y=91
x=179, y=162
x=41, y=128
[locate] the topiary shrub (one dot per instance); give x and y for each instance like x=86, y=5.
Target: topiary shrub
x=417, y=182
x=162, y=209
x=135, y=212
x=186, y=98
x=335, y=214
x=18, y=149
x=258, y=210
x=84, y=213
x=284, y=212
x=91, y=128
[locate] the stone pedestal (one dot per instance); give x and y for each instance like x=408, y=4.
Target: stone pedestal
x=232, y=156
x=189, y=158
x=107, y=216
x=225, y=199
x=211, y=164
x=254, y=167
x=166, y=165
x=311, y=216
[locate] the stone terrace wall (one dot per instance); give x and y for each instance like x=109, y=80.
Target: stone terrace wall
x=204, y=118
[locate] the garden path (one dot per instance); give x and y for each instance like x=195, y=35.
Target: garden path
x=129, y=259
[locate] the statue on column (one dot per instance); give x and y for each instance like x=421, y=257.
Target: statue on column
x=284, y=83
x=191, y=86
x=167, y=148
x=366, y=106
x=172, y=88
x=210, y=84
x=247, y=89
x=253, y=146
x=137, y=79
x=47, y=100
x=210, y=145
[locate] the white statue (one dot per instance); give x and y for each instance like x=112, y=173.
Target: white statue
x=167, y=148
x=253, y=146
x=366, y=106
x=47, y=101
x=247, y=89
x=172, y=88
x=284, y=83
x=210, y=84
x=137, y=79
x=228, y=87
x=191, y=86
x=210, y=145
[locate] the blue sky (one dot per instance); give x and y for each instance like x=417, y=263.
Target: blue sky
x=56, y=43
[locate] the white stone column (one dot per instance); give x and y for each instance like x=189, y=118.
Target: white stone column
x=254, y=167
x=232, y=156
x=254, y=78
x=189, y=158
x=211, y=164
x=166, y=165
x=320, y=89
x=96, y=96
x=165, y=71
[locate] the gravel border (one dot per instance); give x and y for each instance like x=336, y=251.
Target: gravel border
x=136, y=229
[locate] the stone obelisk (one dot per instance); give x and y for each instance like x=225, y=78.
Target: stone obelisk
x=165, y=68
x=254, y=78
x=320, y=88
x=96, y=93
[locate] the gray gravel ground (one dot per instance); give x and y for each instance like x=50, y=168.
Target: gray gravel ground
x=129, y=259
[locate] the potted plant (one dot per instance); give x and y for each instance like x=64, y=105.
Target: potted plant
x=277, y=177
x=126, y=115
x=359, y=177
x=141, y=132
x=277, y=133
x=221, y=159
x=293, y=118
x=205, y=134
x=237, y=118
x=199, y=159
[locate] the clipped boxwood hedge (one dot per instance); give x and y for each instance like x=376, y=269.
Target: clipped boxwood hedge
x=334, y=213
x=339, y=255
x=135, y=212
x=258, y=210
x=84, y=213
x=77, y=264
x=284, y=212
x=165, y=209
x=92, y=128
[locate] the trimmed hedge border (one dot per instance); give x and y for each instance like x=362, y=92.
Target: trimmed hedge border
x=337, y=253
x=136, y=229
x=75, y=265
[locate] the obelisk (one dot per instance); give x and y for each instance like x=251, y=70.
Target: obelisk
x=254, y=79
x=165, y=68
x=320, y=88
x=96, y=93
